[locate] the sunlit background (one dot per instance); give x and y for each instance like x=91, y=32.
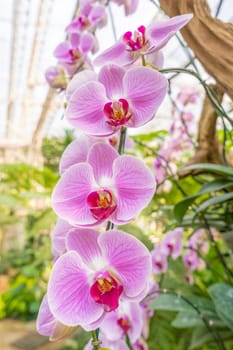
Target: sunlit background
x=29, y=32
x=34, y=133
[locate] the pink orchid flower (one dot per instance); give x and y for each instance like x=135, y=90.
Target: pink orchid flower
x=159, y=261
x=90, y=17
x=47, y=324
x=198, y=241
x=144, y=41
x=172, y=243
x=77, y=150
x=160, y=171
x=58, y=237
x=153, y=293
x=98, y=270
x=72, y=53
x=114, y=98
x=130, y=6
x=106, y=186
x=190, y=259
x=189, y=278
x=56, y=78
x=186, y=96
x=127, y=319
x=140, y=345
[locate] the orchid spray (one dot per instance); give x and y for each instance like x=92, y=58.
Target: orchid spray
x=101, y=274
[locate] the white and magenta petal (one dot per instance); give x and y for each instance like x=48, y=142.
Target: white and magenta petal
x=69, y=292
x=45, y=322
x=117, y=54
x=109, y=326
x=136, y=317
x=69, y=198
x=76, y=152
x=132, y=269
x=156, y=58
x=97, y=13
x=85, y=109
x=111, y=77
x=94, y=325
x=87, y=42
x=75, y=39
x=78, y=80
x=161, y=32
x=47, y=325
x=61, y=51
x=135, y=186
x=84, y=242
x=101, y=158
x=58, y=236
x=145, y=90
x=130, y=7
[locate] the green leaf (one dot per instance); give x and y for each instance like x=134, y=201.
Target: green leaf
x=168, y=302
x=159, y=134
x=162, y=335
x=213, y=168
x=215, y=200
x=188, y=319
x=45, y=222
x=181, y=207
x=213, y=186
x=10, y=201
x=201, y=336
x=171, y=302
x=222, y=296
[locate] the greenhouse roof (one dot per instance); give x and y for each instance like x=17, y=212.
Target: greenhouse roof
x=30, y=30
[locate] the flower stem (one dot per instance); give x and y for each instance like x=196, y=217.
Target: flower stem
x=209, y=92
x=121, y=146
x=128, y=342
x=95, y=340
x=143, y=60
x=109, y=226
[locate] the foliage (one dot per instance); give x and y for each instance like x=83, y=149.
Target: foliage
x=52, y=149
x=197, y=316
x=25, y=193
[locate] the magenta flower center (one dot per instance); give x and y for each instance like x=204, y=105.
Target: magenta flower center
x=117, y=112
x=136, y=41
x=170, y=247
x=74, y=55
x=113, y=141
x=158, y=264
x=106, y=290
x=101, y=204
x=124, y=323
x=84, y=22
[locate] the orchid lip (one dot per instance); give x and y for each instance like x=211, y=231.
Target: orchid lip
x=101, y=203
x=136, y=41
x=106, y=290
x=124, y=324
x=84, y=22
x=75, y=55
x=117, y=112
